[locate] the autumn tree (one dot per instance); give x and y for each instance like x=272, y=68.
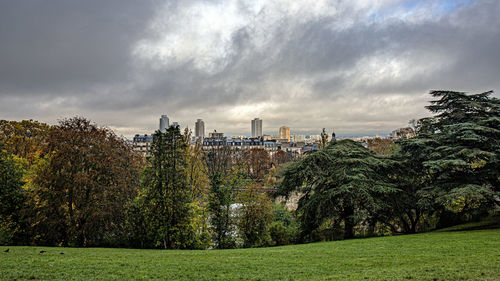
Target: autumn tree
x=198, y=182
x=258, y=163
x=197, y=170
x=23, y=138
x=380, y=146
x=280, y=158
x=82, y=184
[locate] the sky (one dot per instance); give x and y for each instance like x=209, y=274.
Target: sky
x=360, y=67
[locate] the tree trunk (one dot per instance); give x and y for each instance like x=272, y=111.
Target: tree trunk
x=349, y=222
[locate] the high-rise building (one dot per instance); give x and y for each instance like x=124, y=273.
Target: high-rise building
x=175, y=124
x=285, y=133
x=199, y=129
x=164, y=123
x=256, y=127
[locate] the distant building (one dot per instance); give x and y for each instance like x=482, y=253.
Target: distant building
x=142, y=144
x=238, y=145
x=297, y=138
x=285, y=133
x=216, y=135
x=402, y=133
x=257, y=128
x=199, y=129
x=175, y=124
x=164, y=123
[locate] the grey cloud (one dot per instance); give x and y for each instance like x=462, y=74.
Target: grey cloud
x=312, y=73
x=67, y=45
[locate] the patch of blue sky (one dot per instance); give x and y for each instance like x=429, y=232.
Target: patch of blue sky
x=438, y=7
x=447, y=6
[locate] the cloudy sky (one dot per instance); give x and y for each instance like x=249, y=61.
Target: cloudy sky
x=360, y=67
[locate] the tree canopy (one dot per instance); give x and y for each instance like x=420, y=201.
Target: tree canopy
x=81, y=185
x=339, y=182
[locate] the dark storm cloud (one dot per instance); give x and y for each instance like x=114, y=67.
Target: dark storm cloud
x=67, y=46
x=359, y=66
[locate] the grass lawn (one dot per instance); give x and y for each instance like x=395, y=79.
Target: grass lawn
x=456, y=255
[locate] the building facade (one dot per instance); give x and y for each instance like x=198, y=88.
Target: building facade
x=285, y=133
x=199, y=129
x=257, y=128
x=238, y=145
x=216, y=135
x=164, y=123
x=141, y=144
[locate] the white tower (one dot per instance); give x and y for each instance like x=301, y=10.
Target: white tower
x=256, y=128
x=164, y=123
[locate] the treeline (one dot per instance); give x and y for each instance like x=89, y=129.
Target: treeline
x=448, y=174
x=77, y=184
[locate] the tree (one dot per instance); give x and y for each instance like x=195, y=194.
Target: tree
x=464, y=162
x=280, y=158
x=258, y=163
x=23, y=139
x=197, y=174
x=284, y=227
x=406, y=209
x=81, y=185
x=221, y=220
x=223, y=177
x=381, y=146
x=12, y=197
x=341, y=182
x=254, y=217
x=167, y=192
x=198, y=182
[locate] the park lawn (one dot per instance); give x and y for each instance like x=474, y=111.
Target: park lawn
x=457, y=255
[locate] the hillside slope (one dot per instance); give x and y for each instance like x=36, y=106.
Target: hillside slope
x=466, y=255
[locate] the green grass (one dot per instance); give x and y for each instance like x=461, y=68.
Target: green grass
x=459, y=255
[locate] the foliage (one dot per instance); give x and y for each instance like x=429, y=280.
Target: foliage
x=280, y=158
x=167, y=191
x=225, y=175
x=221, y=220
x=24, y=139
x=381, y=146
x=12, y=197
x=137, y=232
x=199, y=225
x=258, y=163
x=340, y=182
x=81, y=185
x=284, y=229
x=459, y=150
x=254, y=216
x=197, y=174
x=408, y=209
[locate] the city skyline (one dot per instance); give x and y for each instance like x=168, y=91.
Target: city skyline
x=359, y=67
x=283, y=132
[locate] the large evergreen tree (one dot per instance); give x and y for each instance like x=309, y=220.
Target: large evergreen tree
x=167, y=191
x=459, y=149
x=340, y=182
